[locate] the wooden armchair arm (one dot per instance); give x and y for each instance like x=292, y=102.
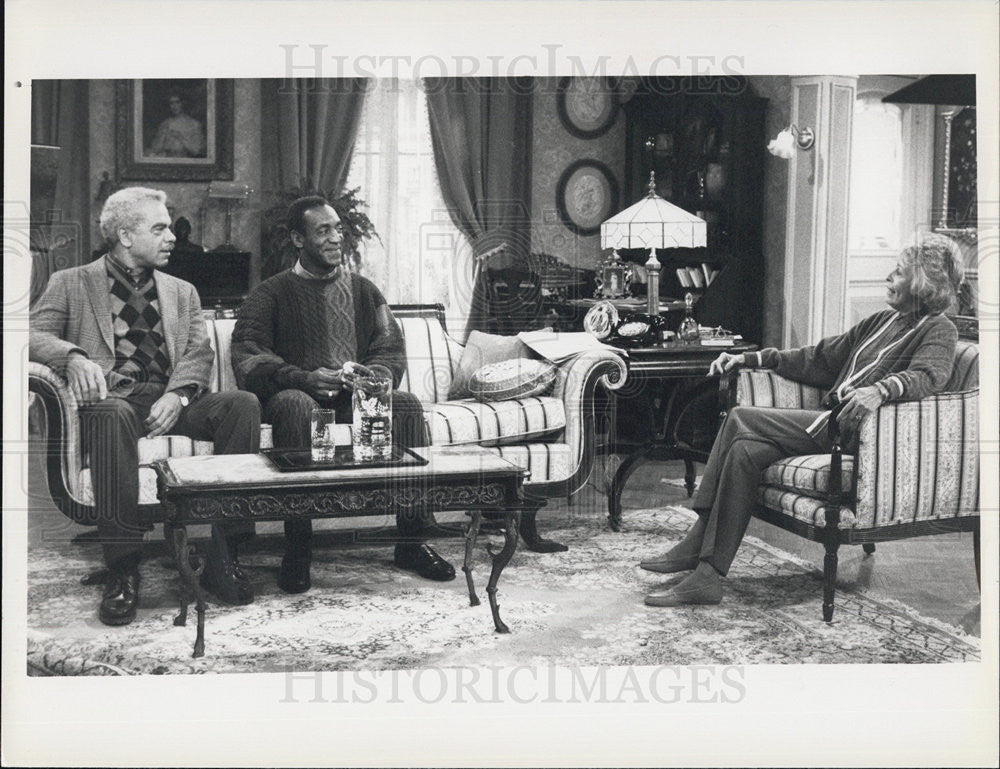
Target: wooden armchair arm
x=728, y=391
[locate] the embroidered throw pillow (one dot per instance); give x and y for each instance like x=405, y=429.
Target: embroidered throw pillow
x=481, y=349
x=512, y=379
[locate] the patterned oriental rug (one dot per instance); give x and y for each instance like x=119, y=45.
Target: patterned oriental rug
x=583, y=607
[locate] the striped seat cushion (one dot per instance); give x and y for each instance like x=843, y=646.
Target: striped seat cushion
x=493, y=424
x=220, y=336
x=167, y=446
x=162, y=447
x=545, y=461
x=807, y=509
x=808, y=474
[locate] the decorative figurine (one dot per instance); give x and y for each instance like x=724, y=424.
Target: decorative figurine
x=688, y=332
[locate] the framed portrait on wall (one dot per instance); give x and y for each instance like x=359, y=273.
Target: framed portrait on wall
x=175, y=130
x=586, y=195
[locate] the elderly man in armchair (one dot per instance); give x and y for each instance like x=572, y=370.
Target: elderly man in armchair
x=133, y=346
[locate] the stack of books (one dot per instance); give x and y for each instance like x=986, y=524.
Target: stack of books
x=696, y=277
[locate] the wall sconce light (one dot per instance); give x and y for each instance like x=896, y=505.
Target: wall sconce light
x=229, y=193
x=784, y=144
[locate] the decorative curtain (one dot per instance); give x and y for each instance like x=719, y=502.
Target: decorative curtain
x=308, y=131
x=393, y=167
x=60, y=178
x=481, y=133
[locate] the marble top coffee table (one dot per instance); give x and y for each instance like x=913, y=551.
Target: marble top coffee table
x=209, y=489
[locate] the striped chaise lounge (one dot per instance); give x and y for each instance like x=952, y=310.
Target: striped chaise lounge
x=552, y=436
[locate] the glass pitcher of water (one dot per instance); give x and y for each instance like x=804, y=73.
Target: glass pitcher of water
x=372, y=402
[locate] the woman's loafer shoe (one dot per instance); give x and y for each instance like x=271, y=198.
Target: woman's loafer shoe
x=679, y=595
x=120, y=598
x=422, y=560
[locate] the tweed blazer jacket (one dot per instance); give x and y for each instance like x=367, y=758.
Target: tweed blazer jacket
x=74, y=315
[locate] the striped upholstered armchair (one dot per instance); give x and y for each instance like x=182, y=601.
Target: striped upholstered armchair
x=916, y=471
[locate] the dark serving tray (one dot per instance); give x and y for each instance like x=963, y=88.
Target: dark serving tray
x=300, y=460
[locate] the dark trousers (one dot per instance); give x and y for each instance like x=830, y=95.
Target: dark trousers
x=750, y=439
x=288, y=412
x=110, y=432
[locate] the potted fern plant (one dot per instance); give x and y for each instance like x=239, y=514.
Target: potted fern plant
x=278, y=251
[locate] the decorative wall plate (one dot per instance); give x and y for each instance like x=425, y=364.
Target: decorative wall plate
x=586, y=195
x=587, y=106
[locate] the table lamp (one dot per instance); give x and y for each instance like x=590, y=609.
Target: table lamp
x=229, y=193
x=653, y=223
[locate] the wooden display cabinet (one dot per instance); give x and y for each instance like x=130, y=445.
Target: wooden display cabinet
x=704, y=137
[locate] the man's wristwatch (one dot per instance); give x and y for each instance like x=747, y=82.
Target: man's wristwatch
x=185, y=394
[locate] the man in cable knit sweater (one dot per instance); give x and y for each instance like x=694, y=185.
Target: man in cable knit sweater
x=904, y=353
x=293, y=335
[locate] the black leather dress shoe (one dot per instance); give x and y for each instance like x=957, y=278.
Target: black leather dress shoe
x=422, y=560
x=536, y=542
x=120, y=598
x=294, y=574
x=226, y=581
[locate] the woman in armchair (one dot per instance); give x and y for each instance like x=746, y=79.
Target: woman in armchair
x=903, y=353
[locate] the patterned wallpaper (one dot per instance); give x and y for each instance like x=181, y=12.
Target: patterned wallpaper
x=553, y=151
x=189, y=199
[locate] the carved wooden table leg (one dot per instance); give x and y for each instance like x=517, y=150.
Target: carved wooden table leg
x=190, y=576
x=470, y=542
x=511, y=520
x=689, y=476
x=625, y=469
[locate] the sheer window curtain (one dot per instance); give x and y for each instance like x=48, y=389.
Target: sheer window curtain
x=60, y=179
x=423, y=258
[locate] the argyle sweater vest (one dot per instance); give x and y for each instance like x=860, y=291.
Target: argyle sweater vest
x=140, y=348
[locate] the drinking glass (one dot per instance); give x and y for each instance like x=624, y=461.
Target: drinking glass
x=322, y=424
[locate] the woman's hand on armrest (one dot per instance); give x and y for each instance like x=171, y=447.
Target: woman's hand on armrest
x=858, y=404
x=726, y=362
